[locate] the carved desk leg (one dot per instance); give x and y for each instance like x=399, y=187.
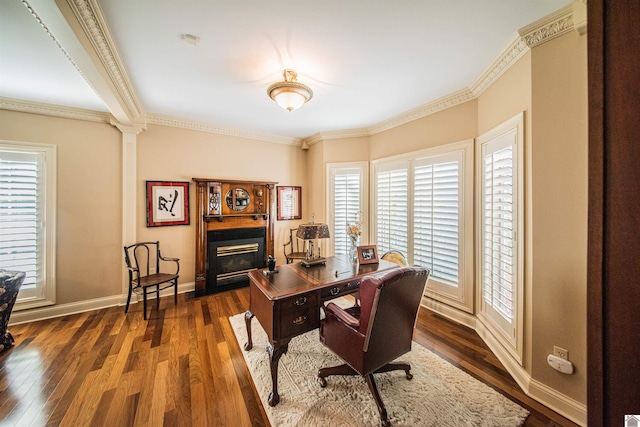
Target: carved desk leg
x=274, y=359
x=247, y=320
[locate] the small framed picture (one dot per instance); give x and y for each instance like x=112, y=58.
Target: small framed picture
x=289, y=203
x=368, y=254
x=167, y=203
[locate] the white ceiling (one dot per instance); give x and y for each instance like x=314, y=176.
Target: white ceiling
x=366, y=60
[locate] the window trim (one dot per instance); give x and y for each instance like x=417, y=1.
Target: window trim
x=514, y=345
x=46, y=288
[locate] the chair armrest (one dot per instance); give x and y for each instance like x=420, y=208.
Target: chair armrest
x=342, y=315
x=176, y=260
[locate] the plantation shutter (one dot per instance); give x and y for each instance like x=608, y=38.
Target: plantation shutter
x=21, y=216
x=392, y=203
x=347, y=187
x=498, y=231
x=436, y=217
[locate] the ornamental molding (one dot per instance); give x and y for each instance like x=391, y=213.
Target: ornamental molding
x=94, y=26
x=54, y=110
x=157, y=119
x=548, y=28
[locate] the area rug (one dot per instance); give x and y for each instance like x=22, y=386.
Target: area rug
x=438, y=395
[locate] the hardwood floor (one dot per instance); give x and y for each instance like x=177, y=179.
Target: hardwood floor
x=182, y=367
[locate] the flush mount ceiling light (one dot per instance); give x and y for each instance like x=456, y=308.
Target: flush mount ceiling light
x=290, y=94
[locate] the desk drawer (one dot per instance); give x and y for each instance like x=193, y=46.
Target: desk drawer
x=341, y=289
x=299, y=314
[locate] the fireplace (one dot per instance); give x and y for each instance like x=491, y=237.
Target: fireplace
x=231, y=254
x=234, y=231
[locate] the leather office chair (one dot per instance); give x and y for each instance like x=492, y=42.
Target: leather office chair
x=369, y=337
x=142, y=259
x=297, y=247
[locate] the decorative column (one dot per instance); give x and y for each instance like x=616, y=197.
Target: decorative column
x=129, y=193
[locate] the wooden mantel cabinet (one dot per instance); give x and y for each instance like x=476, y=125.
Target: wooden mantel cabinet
x=225, y=205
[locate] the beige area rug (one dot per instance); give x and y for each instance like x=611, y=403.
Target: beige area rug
x=438, y=395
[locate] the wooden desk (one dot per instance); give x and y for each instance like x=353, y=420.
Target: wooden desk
x=287, y=303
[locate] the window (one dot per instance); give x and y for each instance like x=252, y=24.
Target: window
x=27, y=218
x=424, y=208
x=391, y=207
x=347, y=188
x=500, y=251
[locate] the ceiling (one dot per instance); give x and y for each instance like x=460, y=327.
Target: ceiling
x=366, y=61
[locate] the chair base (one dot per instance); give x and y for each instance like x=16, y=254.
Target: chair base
x=345, y=369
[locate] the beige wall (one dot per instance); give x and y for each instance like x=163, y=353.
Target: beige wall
x=89, y=202
x=454, y=124
x=172, y=154
x=559, y=202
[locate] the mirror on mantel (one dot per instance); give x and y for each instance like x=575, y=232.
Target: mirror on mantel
x=237, y=199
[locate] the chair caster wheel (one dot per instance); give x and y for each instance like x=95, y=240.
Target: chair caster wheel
x=409, y=376
x=322, y=381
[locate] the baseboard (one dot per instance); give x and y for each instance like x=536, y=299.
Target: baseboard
x=49, y=312
x=449, y=312
x=568, y=407
x=551, y=398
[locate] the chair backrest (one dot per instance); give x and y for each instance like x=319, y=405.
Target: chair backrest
x=389, y=309
x=143, y=256
x=296, y=244
x=396, y=257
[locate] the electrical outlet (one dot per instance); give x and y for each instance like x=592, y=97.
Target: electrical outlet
x=560, y=352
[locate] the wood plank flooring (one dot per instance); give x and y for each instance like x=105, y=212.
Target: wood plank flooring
x=182, y=367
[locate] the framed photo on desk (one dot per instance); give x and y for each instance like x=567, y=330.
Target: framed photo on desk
x=368, y=254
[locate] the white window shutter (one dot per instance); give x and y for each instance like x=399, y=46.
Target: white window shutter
x=436, y=219
x=392, y=203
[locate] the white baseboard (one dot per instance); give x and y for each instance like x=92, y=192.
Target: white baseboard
x=49, y=312
x=551, y=398
x=568, y=407
x=449, y=312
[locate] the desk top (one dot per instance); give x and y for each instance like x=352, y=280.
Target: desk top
x=293, y=279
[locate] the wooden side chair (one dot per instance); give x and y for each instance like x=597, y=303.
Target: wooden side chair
x=296, y=247
x=370, y=337
x=143, y=262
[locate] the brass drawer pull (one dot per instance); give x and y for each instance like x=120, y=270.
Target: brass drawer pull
x=301, y=301
x=334, y=291
x=300, y=320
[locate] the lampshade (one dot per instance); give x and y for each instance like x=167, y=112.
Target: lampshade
x=290, y=94
x=313, y=231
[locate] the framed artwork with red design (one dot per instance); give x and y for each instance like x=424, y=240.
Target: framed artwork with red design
x=167, y=203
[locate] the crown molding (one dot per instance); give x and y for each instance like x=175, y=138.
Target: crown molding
x=548, y=28
x=157, y=119
x=422, y=111
x=90, y=17
x=338, y=134
x=21, y=106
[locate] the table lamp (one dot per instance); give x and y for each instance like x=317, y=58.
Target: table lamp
x=311, y=232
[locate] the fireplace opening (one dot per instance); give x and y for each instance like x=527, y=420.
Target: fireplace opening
x=232, y=254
